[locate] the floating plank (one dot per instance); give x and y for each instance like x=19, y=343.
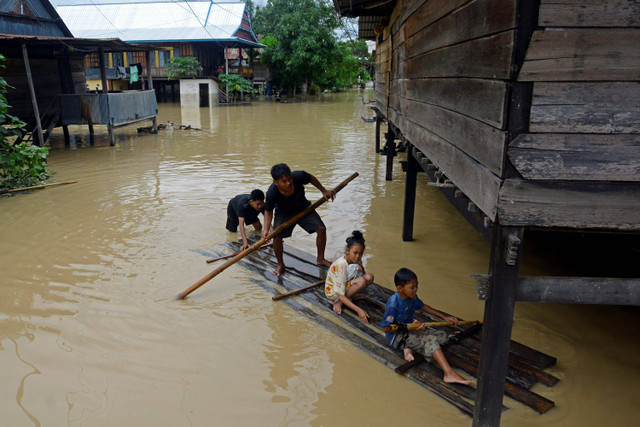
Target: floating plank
x=572, y=290
x=592, y=13
x=586, y=107
x=593, y=54
x=577, y=157
x=609, y=206
x=301, y=265
x=383, y=354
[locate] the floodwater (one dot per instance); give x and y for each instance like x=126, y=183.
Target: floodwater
x=90, y=333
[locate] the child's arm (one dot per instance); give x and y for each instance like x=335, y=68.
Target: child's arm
x=328, y=194
x=361, y=313
x=243, y=233
x=268, y=216
x=432, y=311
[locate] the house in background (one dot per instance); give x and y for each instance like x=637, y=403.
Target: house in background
x=217, y=33
x=45, y=67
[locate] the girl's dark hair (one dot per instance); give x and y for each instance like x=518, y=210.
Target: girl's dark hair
x=404, y=276
x=355, y=238
x=257, y=195
x=280, y=170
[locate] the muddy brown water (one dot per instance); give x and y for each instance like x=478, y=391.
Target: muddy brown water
x=90, y=333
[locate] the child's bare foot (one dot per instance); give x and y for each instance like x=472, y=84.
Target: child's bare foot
x=337, y=307
x=453, y=377
x=408, y=355
x=323, y=262
x=279, y=270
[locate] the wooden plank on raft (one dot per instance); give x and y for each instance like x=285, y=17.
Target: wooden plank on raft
x=592, y=54
x=475, y=20
x=572, y=290
x=474, y=179
x=592, y=13
x=484, y=143
x=586, y=107
x=480, y=99
x=608, y=206
x=577, y=157
x=374, y=301
x=488, y=57
x=379, y=352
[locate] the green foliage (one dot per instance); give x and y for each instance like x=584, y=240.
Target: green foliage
x=302, y=46
x=183, y=67
x=22, y=165
x=236, y=83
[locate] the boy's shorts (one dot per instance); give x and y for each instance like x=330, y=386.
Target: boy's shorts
x=309, y=223
x=425, y=343
x=232, y=220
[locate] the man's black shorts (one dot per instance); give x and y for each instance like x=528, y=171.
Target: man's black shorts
x=309, y=223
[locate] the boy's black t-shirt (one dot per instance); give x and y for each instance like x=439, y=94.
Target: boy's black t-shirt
x=242, y=209
x=293, y=204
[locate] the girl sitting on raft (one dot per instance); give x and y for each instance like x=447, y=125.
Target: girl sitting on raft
x=346, y=277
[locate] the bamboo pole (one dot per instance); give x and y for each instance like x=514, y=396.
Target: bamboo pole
x=297, y=291
x=35, y=187
x=261, y=242
x=414, y=326
x=209, y=261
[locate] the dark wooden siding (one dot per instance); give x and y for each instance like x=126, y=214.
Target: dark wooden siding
x=442, y=78
x=584, y=130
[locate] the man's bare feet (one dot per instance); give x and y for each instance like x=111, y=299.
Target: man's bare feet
x=279, y=270
x=453, y=377
x=323, y=262
x=408, y=355
x=337, y=307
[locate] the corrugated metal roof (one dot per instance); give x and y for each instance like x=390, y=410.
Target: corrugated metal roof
x=155, y=21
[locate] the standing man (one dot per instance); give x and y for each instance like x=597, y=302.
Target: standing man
x=286, y=195
x=244, y=209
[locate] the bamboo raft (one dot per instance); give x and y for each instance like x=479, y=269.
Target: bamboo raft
x=526, y=365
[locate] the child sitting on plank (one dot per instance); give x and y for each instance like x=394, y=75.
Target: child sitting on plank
x=400, y=310
x=346, y=277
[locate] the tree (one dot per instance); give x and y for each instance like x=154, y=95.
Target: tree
x=21, y=165
x=302, y=47
x=183, y=67
x=236, y=84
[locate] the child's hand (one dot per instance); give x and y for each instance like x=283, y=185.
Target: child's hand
x=245, y=246
x=329, y=194
x=451, y=319
x=420, y=328
x=364, y=316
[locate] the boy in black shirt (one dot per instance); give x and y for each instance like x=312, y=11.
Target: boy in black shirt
x=244, y=209
x=286, y=195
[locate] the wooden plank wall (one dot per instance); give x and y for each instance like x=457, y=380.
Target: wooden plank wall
x=46, y=83
x=584, y=62
x=442, y=78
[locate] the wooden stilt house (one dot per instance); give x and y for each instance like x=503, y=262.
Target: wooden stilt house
x=526, y=115
x=45, y=68
x=217, y=33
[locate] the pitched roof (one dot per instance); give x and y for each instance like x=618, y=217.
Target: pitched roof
x=31, y=17
x=160, y=21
